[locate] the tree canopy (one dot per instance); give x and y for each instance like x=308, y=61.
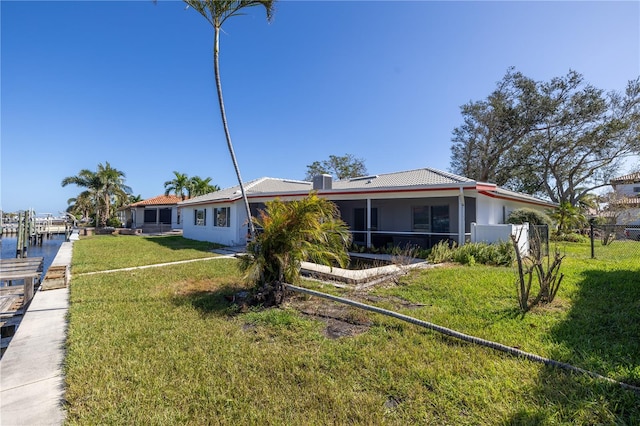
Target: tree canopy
x=105, y=191
x=340, y=167
x=179, y=185
x=558, y=139
x=182, y=185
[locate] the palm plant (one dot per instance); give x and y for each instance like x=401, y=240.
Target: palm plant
x=104, y=187
x=216, y=12
x=91, y=196
x=134, y=199
x=81, y=206
x=199, y=186
x=114, y=191
x=290, y=233
x=568, y=217
x=178, y=185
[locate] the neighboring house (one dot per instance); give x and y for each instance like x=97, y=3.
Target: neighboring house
x=625, y=204
x=419, y=207
x=155, y=214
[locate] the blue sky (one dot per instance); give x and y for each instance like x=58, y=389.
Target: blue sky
x=131, y=83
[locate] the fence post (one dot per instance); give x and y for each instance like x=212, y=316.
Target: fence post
x=593, y=254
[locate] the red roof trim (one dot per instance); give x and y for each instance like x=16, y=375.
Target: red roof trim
x=505, y=197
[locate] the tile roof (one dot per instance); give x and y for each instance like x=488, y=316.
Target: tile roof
x=627, y=201
x=160, y=200
x=410, y=179
x=418, y=177
x=263, y=185
x=630, y=178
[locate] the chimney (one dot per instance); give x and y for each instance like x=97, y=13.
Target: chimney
x=322, y=182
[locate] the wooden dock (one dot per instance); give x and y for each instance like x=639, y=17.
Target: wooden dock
x=18, y=277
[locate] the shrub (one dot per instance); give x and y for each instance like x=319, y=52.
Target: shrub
x=498, y=254
x=534, y=217
x=441, y=252
x=114, y=222
x=570, y=237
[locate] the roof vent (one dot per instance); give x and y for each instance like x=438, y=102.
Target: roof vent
x=322, y=182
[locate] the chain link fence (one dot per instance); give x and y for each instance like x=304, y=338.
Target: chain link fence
x=539, y=239
x=608, y=235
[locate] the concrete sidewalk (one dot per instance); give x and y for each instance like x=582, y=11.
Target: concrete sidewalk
x=31, y=375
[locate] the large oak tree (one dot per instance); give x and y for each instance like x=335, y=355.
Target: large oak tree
x=559, y=139
x=341, y=167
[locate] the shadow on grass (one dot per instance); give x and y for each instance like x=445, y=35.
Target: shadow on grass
x=177, y=242
x=222, y=301
x=601, y=333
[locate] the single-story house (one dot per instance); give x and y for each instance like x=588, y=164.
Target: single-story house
x=155, y=214
x=418, y=207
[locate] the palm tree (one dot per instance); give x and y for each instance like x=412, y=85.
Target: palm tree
x=216, y=12
x=113, y=190
x=568, y=218
x=104, y=188
x=199, y=186
x=91, y=196
x=290, y=233
x=178, y=185
x=82, y=205
x=134, y=199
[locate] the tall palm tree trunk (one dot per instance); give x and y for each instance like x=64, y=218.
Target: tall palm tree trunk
x=226, y=128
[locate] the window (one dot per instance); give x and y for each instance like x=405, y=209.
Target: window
x=422, y=218
x=200, y=218
x=431, y=219
x=440, y=219
x=221, y=217
x=636, y=189
x=150, y=215
x=165, y=216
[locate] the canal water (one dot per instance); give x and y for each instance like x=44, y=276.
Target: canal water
x=47, y=250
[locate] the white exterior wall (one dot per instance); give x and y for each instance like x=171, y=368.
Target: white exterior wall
x=628, y=189
x=495, y=233
x=494, y=211
x=489, y=211
x=630, y=215
x=139, y=217
x=233, y=235
x=174, y=218
x=394, y=212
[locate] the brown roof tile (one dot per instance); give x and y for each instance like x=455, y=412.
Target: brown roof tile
x=160, y=200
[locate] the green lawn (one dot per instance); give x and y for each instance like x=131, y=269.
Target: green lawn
x=164, y=346
x=107, y=252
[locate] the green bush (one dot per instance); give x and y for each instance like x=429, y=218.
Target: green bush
x=441, y=252
x=571, y=237
x=498, y=254
x=533, y=217
x=114, y=222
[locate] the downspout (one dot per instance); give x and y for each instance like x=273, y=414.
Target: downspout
x=461, y=218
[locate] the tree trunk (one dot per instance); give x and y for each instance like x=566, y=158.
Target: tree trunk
x=223, y=115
